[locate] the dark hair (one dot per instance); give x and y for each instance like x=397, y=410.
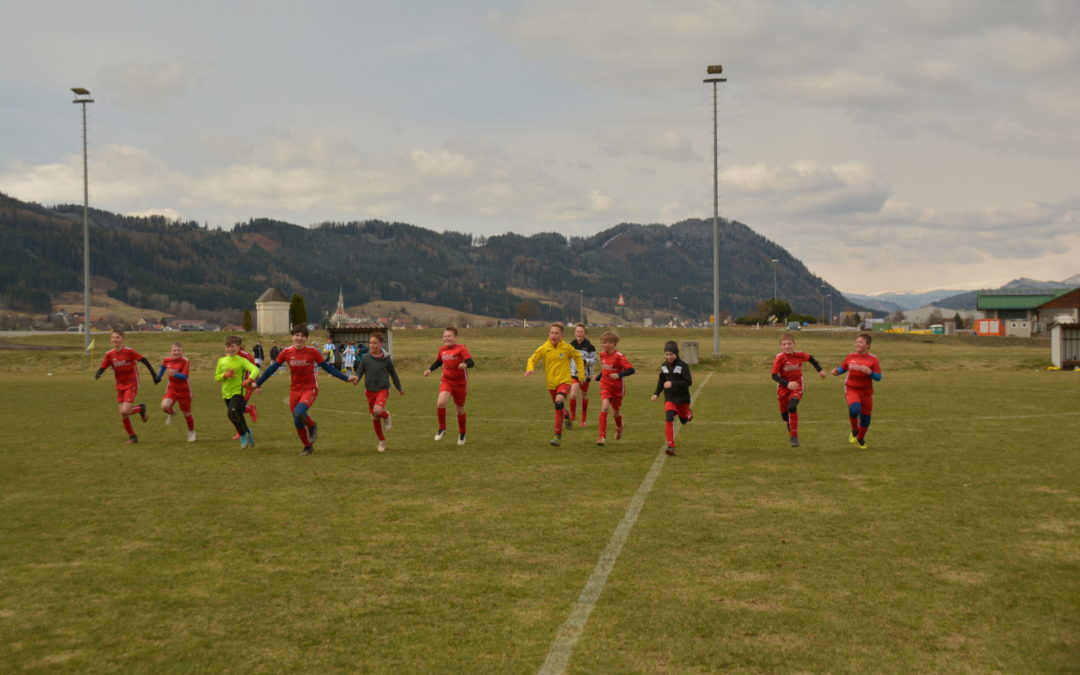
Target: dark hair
x=300, y=329
x=378, y=336
x=866, y=336
x=232, y=340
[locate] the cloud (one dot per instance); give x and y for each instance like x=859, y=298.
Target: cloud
x=152, y=87
x=807, y=188
x=664, y=145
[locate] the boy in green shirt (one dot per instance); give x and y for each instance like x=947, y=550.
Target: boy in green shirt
x=230, y=372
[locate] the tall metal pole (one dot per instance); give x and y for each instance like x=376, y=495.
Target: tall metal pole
x=715, y=70
x=86, y=218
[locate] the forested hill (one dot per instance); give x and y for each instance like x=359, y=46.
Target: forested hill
x=153, y=261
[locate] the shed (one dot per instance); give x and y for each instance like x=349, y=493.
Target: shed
x=272, y=313
x=1065, y=345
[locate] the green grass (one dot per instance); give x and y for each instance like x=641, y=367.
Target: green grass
x=953, y=544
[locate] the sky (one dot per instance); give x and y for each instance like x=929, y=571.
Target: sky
x=890, y=146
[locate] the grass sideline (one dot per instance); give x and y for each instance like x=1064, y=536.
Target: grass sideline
x=953, y=544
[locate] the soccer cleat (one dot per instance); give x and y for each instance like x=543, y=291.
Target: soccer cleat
x=142, y=412
x=439, y=434
x=168, y=419
x=618, y=433
x=244, y=440
x=556, y=440
x=251, y=439
x=670, y=450
x=583, y=423
x=313, y=431
x=387, y=425
x=132, y=439
x=852, y=438
x=601, y=440
x=461, y=439
x=382, y=446
x=794, y=441
x=568, y=423
x=307, y=450
x=862, y=443
x=253, y=412
x=191, y=436
x=236, y=436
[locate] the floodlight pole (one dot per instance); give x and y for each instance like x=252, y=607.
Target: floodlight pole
x=85, y=98
x=715, y=70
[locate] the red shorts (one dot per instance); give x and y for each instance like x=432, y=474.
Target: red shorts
x=681, y=409
x=584, y=384
x=126, y=393
x=457, y=391
x=305, y=396
x=614, y=401
x=181, y=400
x=563, y=389
x=376, y=398
x=784, y=396
x=862, y=396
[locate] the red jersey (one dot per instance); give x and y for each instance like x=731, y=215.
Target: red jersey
x=178, y=385
x=789, y=366
x=856, y=379
x=451, y=358
x=615, y=362
x=246, y=355
x=302, y=364
x=124, y=363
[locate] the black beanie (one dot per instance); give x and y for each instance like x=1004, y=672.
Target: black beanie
x=671, y=346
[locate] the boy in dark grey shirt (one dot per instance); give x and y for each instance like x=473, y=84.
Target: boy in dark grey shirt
x=377, y=369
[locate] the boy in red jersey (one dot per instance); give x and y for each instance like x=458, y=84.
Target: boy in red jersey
x=124, y=361
x=249, y=387
x=613, y=368
x=377, y=366
x=455, y=361
x=557, y=357
x=674, y=382
x=303, y=360
x=787, y=373
x=863, y=370
x=176, y=367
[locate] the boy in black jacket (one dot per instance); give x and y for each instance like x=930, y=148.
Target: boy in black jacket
x=674, y=382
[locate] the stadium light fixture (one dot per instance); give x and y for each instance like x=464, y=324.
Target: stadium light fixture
x=82, y=97
x=715, y=70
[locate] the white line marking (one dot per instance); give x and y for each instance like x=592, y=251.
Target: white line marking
x=570, y=632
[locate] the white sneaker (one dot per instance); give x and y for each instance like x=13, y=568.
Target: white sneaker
x=461, y=439
x=439, y=434
x=382, y=446
x=191, y=437
x=168, y=419
x=387, y=425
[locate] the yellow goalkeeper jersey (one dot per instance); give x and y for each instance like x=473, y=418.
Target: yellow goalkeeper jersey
x=556, y=360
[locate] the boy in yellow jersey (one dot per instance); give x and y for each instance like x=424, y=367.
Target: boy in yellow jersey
x=557, y=357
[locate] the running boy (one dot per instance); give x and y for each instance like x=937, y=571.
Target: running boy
x=176, y=367
x=614, y=367
x=557, y=357
x=455, y=360
x=249, y=385
x=863, y=370
x=124, y=361
x=674, y=382
x=588, y=356
x=235, y=372
x=379, y=369
x=304, y=389
x=787, y=373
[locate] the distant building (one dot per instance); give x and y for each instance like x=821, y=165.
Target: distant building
x=1033, y=312
x=272, y=313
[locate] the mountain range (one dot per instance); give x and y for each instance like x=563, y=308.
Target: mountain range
x=155, y=263
x=952, y=299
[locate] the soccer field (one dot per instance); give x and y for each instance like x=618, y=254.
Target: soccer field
x=951, y=544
